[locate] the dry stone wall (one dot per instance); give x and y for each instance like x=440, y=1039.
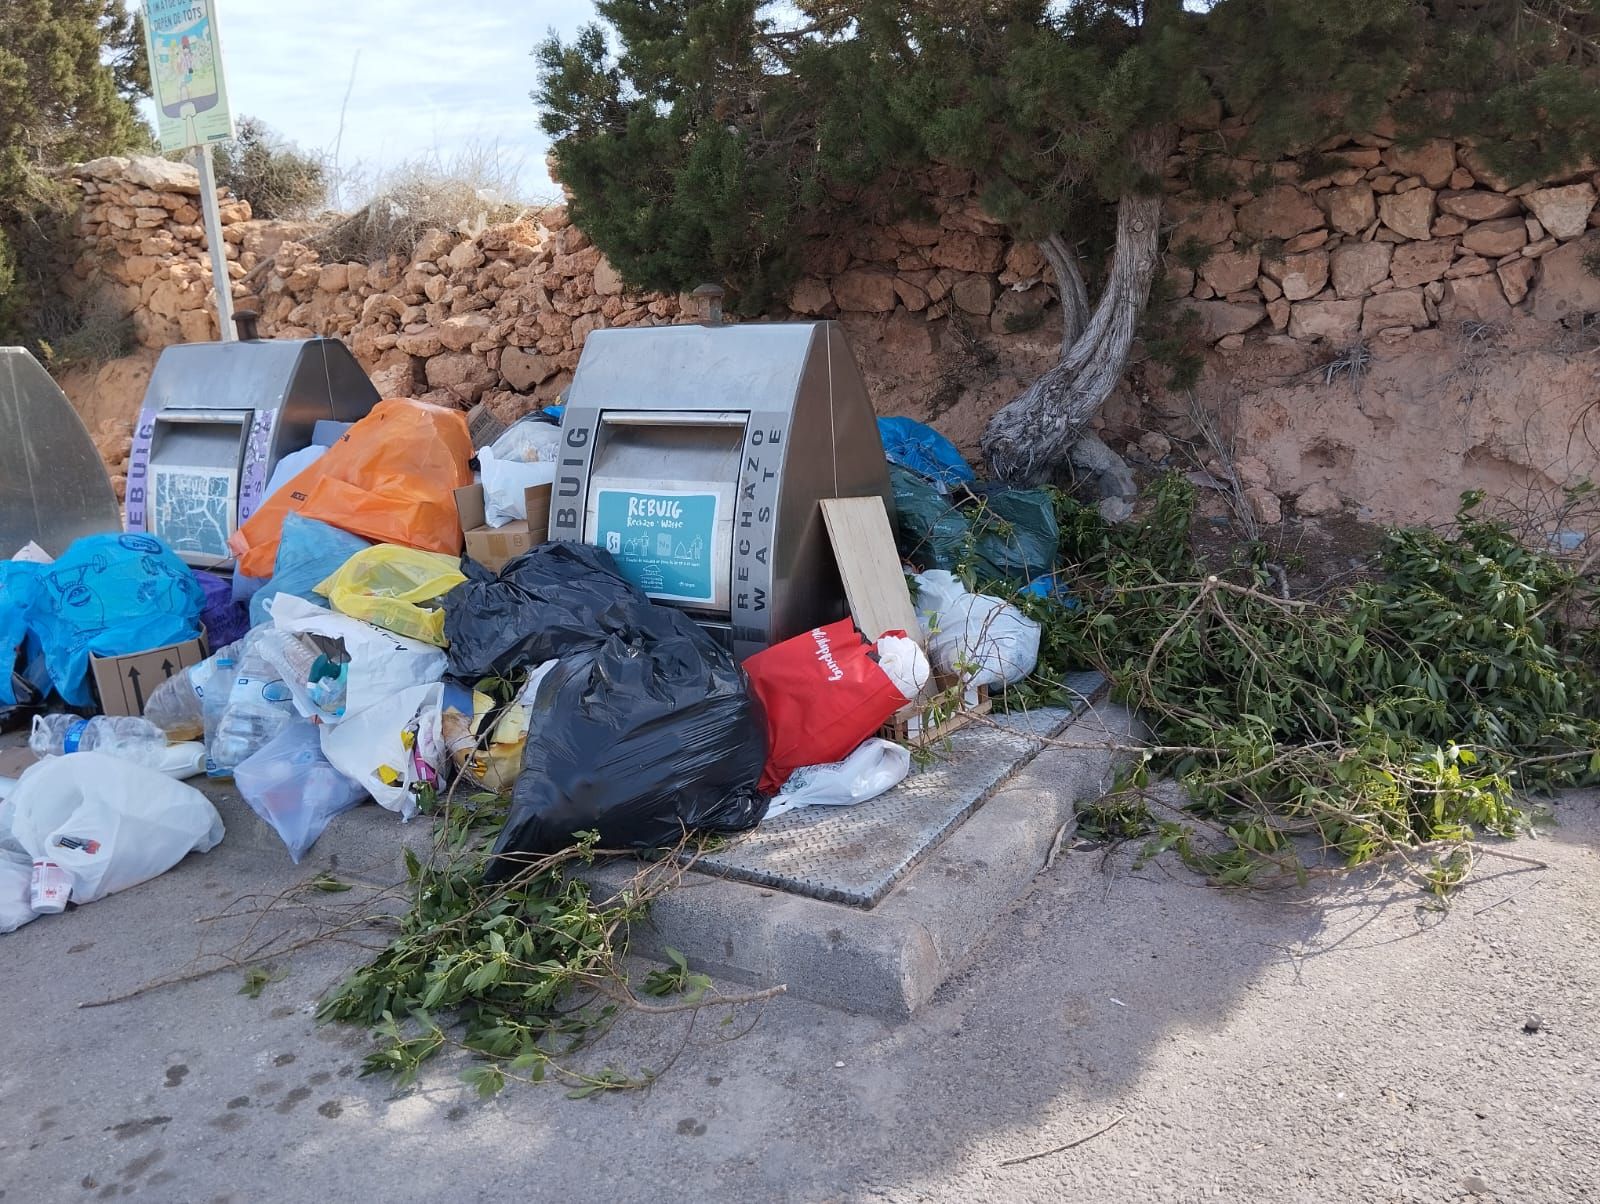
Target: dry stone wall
x=949, y=315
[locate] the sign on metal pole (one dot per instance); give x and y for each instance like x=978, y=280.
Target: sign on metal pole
x=192, y=112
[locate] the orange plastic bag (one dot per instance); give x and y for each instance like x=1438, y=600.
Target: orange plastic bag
x=391, y=478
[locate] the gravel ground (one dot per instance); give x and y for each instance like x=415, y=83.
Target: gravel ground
x=1353, y=1046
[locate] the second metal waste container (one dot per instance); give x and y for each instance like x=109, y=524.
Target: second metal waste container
x=697, y=455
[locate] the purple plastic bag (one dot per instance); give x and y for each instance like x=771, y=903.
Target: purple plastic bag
x=224, y=619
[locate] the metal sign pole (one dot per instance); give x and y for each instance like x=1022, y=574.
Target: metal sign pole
x=221, y=282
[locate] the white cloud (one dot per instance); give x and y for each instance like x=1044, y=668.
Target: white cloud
x=431, y=76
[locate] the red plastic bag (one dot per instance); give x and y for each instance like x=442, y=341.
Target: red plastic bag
x=391, y=478
x=824, y=693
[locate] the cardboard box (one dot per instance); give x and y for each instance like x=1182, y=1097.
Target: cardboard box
x=492, y=547
x=125, y=683
x=482, y=426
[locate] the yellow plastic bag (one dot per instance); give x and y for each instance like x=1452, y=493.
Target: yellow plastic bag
x=389, y=586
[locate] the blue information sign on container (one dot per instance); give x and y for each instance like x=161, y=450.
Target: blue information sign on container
x=662, y=540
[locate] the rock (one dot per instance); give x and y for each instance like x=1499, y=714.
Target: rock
x=1399, y=307
x=607, y=280
x=912, y=295
x=1270, y=288
x=1471, y=265
x=1479, y=206
x=1264, y=504
x=162, y=175
x=974, y=294
x=1155, y=445
x=1474, y=296
x=964, y=252
x=1420, y=262
x=811, y=296
x=1496, y=238
x=523, y=370
x=1409, y=213
x=422, y=343
x=1543, y=247
x=864, y=290
x=1566, y=286
x=1280, y=212
x=1252, y=472
x=1474, y=162
x=1221, y=318
x=197, y=325
x=334, y=278
x=397, y=380
x=1516, y=278
x=1230, y=271
x=1305, y=242
x=1434, y=161
x=1024, y=261
x=355, y=275
x=1357, y=266
x=462, y=331
x=1563, y=212
x=464, y=257
x=1016, y=310
x=1207, y=222
x=1448, y=226
x=464, y=376
x=1300, y=276
x=431, y=245
x=1335, y=321
x=1278, y=314
x=1317, y=499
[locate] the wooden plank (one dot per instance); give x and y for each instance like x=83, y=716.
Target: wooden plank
x=874, y=585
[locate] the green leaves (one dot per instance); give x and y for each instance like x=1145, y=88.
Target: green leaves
x=1395, y=714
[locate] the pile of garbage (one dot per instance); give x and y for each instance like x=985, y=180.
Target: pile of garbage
x=356, y=655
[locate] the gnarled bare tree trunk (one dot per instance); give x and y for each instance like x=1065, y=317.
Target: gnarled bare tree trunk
x=1037, y=430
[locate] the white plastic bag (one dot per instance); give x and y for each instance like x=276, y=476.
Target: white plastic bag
x=16, y=903
x=505, y=486
x=906, y=664
x=109, y=824
x=292, y=466
x=874, y=767
x=983, y=638
x=294, y=788
x=528, y=441
x=388, y=749
x=382, y=664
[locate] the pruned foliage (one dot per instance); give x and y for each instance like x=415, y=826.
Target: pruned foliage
x=1403, y=711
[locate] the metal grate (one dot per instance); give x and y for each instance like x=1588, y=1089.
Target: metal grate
x=855, y=855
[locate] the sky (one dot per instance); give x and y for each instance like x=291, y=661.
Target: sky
x=430, y=78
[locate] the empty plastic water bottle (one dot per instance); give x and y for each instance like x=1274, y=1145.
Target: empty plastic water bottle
x=116, y=735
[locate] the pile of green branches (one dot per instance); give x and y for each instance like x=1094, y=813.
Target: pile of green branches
x=521, y=974
x=1416, y=708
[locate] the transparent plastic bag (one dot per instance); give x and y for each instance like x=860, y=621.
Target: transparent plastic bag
x=529, y=440
x=395, y=588
x=873, y=768
x=293, y=787
x=260, y=704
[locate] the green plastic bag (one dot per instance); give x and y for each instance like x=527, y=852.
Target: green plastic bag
x=999, y=534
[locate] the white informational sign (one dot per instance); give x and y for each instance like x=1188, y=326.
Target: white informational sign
x=186, y=74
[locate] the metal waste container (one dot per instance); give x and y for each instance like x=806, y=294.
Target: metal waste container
x=217, y=418
x=53, y=484
x=696, y=455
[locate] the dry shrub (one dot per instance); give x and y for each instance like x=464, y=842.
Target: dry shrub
x=475, y=188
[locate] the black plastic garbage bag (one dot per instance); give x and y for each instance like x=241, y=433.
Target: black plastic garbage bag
x=550, y=601
x=1002, y=533
x=649, y=734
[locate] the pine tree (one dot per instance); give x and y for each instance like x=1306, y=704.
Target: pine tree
x=69, y=73
x=697, y=136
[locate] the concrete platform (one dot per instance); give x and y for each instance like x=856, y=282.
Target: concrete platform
x=889, y=959
x=885, y=960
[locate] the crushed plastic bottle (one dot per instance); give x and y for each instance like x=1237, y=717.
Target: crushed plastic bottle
x=116, y=735
x=259, y=705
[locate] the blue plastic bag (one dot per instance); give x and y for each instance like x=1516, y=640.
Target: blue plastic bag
x=309, y=552
x=110, y=595
x=16, y=589
x=924, y=451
